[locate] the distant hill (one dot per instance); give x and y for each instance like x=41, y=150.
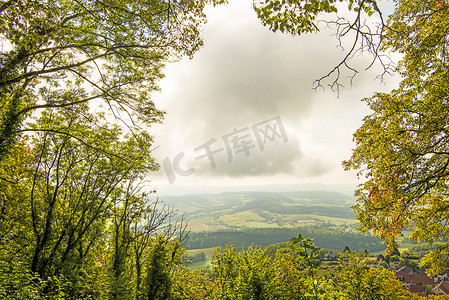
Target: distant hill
x=321, y=197
x=243, y=218
x=231, y=199
x=179, y=190
x=249, y=209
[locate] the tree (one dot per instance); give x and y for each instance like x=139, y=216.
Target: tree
x=61, y=53
x=437, y=297
x=158, y=285
x=405, y=262
x=306, y=254
x=13, y=191
x=141, y=232
x=195, y=285
x=365, y=252
x=402, y=147
x=73, y=219
x=252, y=274
x=73, y=183
x=357, y=281
x=70, y=186
x=72, y=210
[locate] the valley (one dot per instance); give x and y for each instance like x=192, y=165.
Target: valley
x=264, y=219
x=240, y=210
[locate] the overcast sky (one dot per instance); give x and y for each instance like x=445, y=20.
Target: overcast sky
x=243, y=111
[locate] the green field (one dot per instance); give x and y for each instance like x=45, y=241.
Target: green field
x=201, y=265
x=241, y=218
x=230, y=211
x=226, y=216
x=251, y=219
x=300, y=218
x=208, y=251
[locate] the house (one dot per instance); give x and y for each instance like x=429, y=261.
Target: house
x=441, y=277
x=405, y=270
x=441, y=289
x=394, y=265
x=418, y=282
x=421, y=271
x=417, y=289
x=331, y=256
x=415, y=279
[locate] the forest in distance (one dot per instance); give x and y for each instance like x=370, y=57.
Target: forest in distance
x=250, y=218
x=329, y=239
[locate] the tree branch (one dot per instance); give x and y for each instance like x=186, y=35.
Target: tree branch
x=76, y=138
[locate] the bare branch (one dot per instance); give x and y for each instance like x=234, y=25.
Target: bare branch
x=366, y=39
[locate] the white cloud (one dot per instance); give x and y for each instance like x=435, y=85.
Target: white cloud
x=246, y=74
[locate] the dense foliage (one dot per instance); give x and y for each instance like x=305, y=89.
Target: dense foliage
x=58, y=54
x=75, y=107
x=73, y=221
x=291, y=273
x=402, y=147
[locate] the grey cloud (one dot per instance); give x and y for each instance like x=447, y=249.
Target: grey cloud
x=242, y=76
x=276, y=158
x=309, y=167
x=246, y=74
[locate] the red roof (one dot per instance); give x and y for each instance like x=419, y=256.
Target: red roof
x=405, y=270
x=418, y=279
x=444, y=286
x=416, y=289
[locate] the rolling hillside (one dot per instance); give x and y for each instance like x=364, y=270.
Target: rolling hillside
x=237, y=210
x=243, y=219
